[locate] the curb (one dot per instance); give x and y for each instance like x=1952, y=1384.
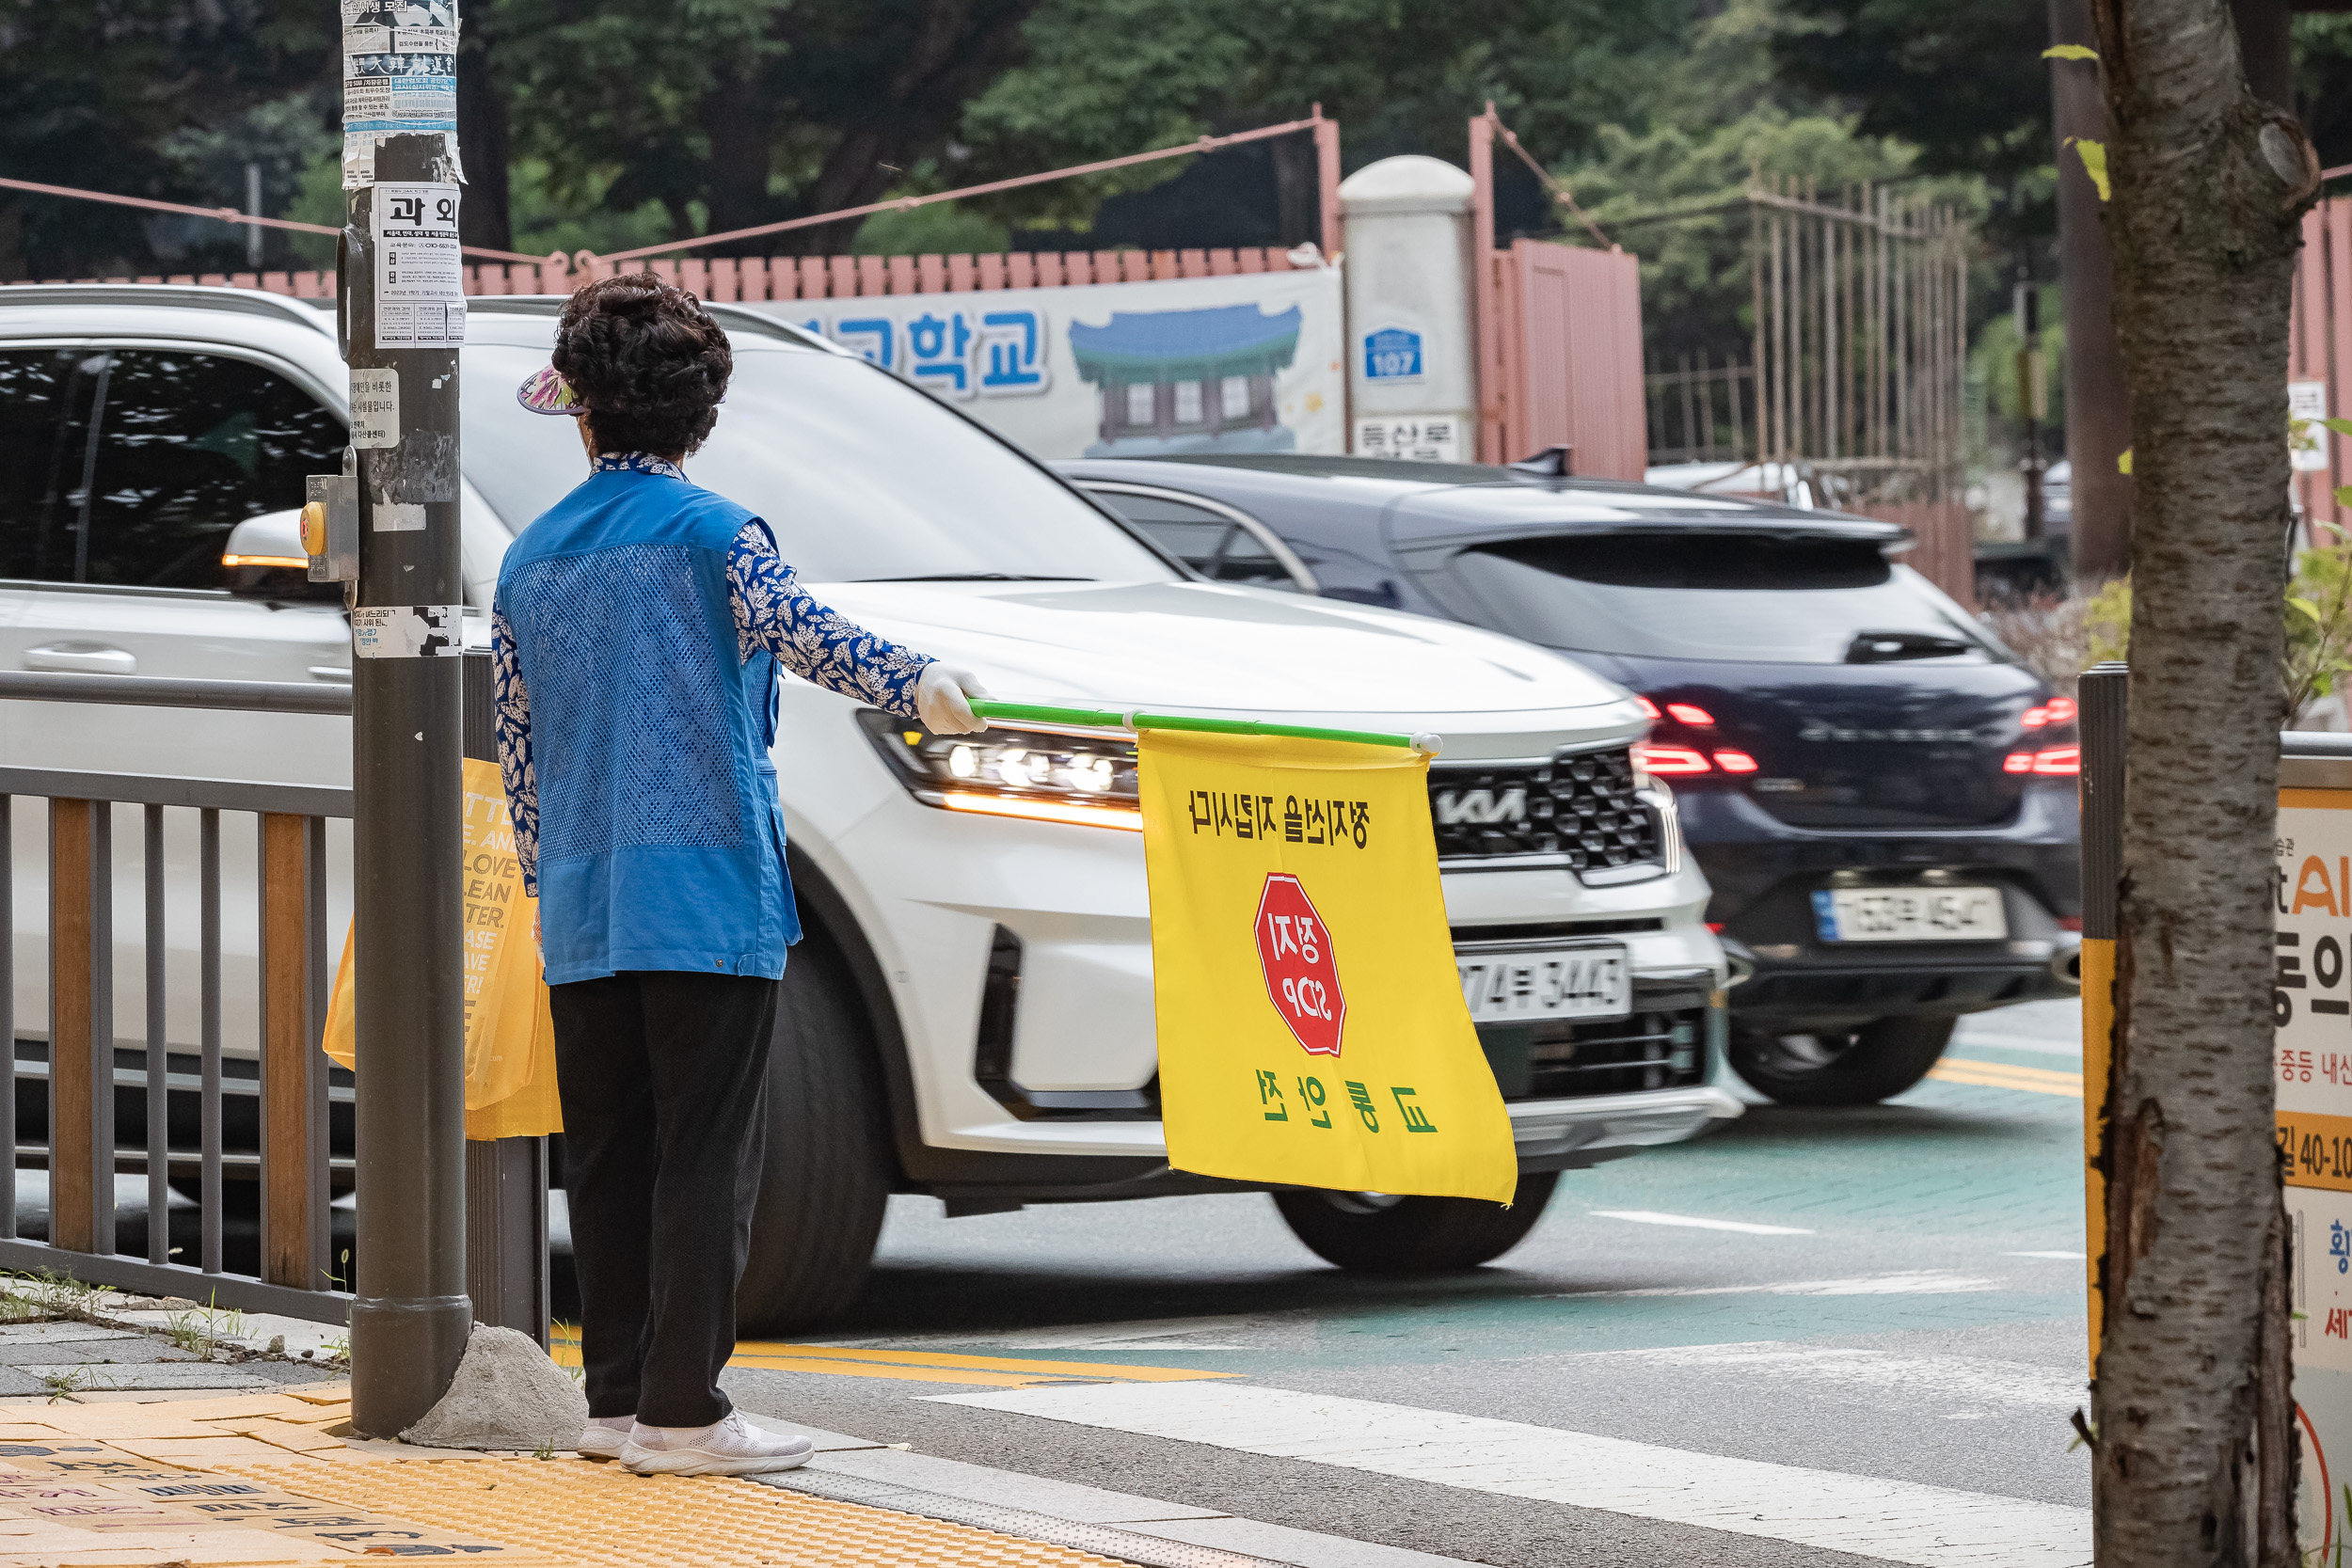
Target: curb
x=1146, y=1551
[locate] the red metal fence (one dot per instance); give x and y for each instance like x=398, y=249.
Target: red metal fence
x=1569, y=355
x=726, y=278
x=1559, y=341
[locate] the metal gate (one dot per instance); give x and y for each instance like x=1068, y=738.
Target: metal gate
x=1568, y=358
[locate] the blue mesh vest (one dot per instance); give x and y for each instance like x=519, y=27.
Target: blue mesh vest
x=660, y=846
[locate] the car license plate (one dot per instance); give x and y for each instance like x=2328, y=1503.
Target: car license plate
x=1587, y=981
x=1910, y=914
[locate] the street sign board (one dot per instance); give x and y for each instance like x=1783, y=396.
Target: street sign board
x=1392, y=353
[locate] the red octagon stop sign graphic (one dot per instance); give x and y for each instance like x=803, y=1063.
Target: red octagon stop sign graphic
x=1302, y=978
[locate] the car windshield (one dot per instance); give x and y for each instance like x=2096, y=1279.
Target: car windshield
x=862, y=477
x=1692, y=594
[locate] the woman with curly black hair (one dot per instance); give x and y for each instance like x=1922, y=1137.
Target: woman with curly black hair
x=637, y=633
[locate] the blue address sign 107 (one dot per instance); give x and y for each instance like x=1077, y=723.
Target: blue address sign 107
x=1392, y=353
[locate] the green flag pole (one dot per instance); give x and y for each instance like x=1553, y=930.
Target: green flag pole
x=1086, y=718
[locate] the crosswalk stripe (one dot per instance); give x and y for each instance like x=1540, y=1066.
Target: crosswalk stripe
x=1932, y=1526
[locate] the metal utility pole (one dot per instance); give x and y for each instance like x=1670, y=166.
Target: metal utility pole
x=402, y=312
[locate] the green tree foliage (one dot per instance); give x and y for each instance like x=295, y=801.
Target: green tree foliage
x=731, y=113
x=622, y=122
x=1105, y=77
x=1964, y=85
x=1723, y=113
x=114, y=94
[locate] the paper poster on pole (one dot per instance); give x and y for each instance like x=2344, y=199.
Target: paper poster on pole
x=1251, y=362
x=400, y=75
x=420, y=269
x=407, y=632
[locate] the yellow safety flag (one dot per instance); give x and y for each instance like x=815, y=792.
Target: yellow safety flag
x=510, y=1037
x=1311, y=1027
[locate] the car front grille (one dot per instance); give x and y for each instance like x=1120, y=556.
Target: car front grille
x=1578, y=805
x=1656, y=1048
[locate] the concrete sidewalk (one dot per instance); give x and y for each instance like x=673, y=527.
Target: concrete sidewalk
x=150, y=1434
x=265, y=1478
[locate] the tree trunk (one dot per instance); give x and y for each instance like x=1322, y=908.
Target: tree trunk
x=2098, y=417
x=739, y=116
x=486, y=216
x=2196, y=1449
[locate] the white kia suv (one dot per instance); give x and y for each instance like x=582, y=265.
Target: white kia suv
x=970, y=1016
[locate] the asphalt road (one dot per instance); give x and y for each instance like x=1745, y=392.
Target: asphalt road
x=1901, y=1302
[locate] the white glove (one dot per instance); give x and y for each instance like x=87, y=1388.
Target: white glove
x=939, y=697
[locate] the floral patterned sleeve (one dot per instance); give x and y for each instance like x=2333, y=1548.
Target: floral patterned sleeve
x=773, y=611
x=513, y=724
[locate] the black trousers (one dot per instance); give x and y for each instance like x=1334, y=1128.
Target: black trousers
x=663, y=1077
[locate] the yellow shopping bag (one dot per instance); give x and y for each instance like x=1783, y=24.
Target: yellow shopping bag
x=1311, y=1027
x=510, y=1038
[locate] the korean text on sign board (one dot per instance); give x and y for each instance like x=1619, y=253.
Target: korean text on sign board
x=958, y=352
x=1300, y=821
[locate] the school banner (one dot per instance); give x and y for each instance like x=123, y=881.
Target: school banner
x=510, y=1037
x=1246, y=363
x=1312, y=1028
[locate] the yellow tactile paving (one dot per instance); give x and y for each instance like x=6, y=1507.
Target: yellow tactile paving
x=239, y=1483
x=575, y=1513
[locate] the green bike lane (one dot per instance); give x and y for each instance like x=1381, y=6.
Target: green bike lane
x=1885, y=1295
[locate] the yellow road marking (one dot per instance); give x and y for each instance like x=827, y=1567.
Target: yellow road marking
x=910, y=1374
x=992, y=1363
x=2072, y=1079
x=2005, y=1075
x=911, y=1366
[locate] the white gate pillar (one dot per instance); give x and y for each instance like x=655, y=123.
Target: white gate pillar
x=1412, y=346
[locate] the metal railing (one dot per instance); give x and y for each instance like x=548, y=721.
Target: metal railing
x=1700, y=412
x=202, y=1122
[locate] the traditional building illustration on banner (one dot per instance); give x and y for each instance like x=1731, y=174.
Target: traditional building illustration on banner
x=1180, y=381
x=1248, y=363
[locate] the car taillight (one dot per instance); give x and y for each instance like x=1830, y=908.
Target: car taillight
x=2056, y=711
x=1691, y=714
x=1735, y=761
x=2052, y=760
x=1665, y=760
x=1649, y=709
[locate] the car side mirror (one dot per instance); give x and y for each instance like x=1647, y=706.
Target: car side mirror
x=265, y=558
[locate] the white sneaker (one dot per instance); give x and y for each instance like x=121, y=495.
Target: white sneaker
x=732, y=1447
x=605, y=1436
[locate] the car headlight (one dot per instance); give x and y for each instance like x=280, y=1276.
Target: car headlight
x=1654, y=794
x=1086, y=780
